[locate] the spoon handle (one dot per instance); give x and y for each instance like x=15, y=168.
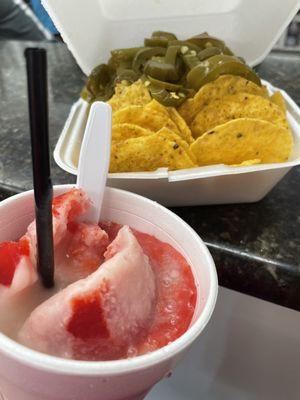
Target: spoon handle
x=94, y=158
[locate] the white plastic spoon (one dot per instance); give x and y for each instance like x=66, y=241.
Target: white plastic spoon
x=94, y=158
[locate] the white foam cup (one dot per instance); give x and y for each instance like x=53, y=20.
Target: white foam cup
x=26, y=374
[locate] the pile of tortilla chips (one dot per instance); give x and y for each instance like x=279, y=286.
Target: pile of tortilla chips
x=229, y=121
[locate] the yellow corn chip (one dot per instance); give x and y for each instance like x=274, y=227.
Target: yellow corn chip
x=154, y=105
x=218, y=89
x=126, y=131
x=135, y=94
x=243, y=139
x=167, y=133
x=240, y=105
x=147, y=153
x=145, y=117
x=185, y=131
x=278, y=99
x=170, y=112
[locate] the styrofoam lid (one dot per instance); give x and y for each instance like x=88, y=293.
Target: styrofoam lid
x=92, y=28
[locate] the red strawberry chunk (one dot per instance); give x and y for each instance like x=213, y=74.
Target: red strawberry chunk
x=16, y=269
x=87, y=321
x=9, y=258
x=24, y=246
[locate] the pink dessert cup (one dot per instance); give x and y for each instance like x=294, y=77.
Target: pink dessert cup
x=29, y=375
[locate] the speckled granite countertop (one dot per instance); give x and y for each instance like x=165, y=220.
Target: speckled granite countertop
x=256, y=246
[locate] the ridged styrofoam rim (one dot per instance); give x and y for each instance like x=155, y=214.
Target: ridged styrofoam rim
x=48, y=363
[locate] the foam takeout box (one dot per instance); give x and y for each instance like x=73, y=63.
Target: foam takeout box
x=250, y=27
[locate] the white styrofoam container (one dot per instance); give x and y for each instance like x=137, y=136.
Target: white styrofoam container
x=250, y=27
x=216, y=184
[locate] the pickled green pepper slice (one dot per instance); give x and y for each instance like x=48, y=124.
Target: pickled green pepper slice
x=167, y=69
x=126, y=74
x=164, y=85
x=163, y=34
x=215, y=66
x=190, y=60
x=99, y=83
x=167, y=98
x=185, y=46
x=209, y=52
x=145, y=54
x=121, y=56
x=204, y=41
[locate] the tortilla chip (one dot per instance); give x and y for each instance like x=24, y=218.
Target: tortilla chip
x=170, y=135
x=155, y=106
x=216, y=90
x=144, y=116
x=127, y=95
x=278, y=99
x=240, y=105
x=243, y=139
x=170, y=112
x=122, y=132
x=185, y=131
x=247, y=163
x=147, y=153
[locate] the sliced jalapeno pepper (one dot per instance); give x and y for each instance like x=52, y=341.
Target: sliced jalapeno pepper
x=109, y=91
x=209, y=52
x=166, y=35
x=99, y=79
x=164, y=85
x=216, y=66
x=125, y=54
x=190, y=60
x=204, y=41
x=167, y=98
x=126, y=75
x=184, y=46
x=171, y=54
x=120, y=56
x=160, y=70
x=168, y=68
x=145, y=54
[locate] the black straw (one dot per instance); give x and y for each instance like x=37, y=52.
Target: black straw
x=36, y=60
